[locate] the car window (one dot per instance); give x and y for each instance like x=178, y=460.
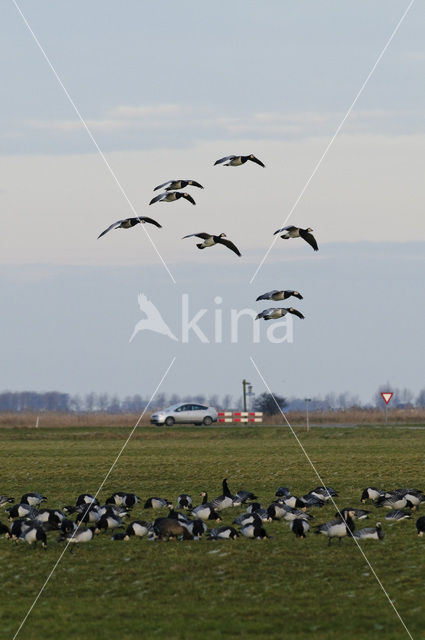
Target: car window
x=198, y=407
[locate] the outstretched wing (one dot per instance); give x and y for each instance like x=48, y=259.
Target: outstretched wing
x=204, y=236
x=164, y=184
x=223, y=160
x=151, y=221
x=113, y=226
x=288, y=228
x=195, y=184
x=158, y=198
x=230, y=246
x=264, y=313
x=268, y=295
x=308, y=237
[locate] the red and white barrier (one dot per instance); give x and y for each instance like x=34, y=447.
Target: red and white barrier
x=240, y=416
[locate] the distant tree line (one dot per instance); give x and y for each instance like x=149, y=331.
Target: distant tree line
x=18, y=401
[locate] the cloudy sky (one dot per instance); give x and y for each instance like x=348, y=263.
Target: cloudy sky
x=164, y=90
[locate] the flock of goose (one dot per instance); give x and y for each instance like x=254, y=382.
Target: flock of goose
x=171, y=192
x=30, y=522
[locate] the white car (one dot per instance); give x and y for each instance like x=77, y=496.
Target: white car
x=185, y=413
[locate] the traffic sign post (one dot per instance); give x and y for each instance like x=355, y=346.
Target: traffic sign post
x=386, y=396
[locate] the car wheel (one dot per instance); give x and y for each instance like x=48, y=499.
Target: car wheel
x=207, y=421
x=169, y=421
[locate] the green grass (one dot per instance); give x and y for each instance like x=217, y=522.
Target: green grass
x=278, y=588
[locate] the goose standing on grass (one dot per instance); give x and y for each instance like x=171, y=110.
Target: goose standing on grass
x=210, y=240
x=237, y=161
x=299, y=526
x=370, y=533
x=86, y=498
x=171, y=196
x=156, y=503
x=280, y=295
x=79, y=537
x=254, y=530
x=33, y=499
x=21, y=511
x=172, y=185
x=224, y=501
x=338, y=528
x=371, y=493
x=123, y=499
x=395, y=502
x=184, y=501
x=245, y=496
x=358, y=514
x=139, y=528
x=34, y=533
x=274, y=313
x=420, y=526
x=129, y=223
x=205, y=511
x=297, y=232
x=223, y=533
x=170, y=528
x=396, y=515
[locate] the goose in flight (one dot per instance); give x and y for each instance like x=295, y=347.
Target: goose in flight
x=210, y=240
x=170, y=185
x=297, y=232
x=279, y=295
x=236, y=161
x=272, y=314
x=153, y=321
x=127, y=223
x=170, y=196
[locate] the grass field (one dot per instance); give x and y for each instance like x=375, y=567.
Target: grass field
x=278, y=588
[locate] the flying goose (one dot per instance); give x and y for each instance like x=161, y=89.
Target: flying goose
x=171, y=185
x=279, y=295
x=127, y=223
x=297, y=232
x=236, y=161
x=274, y=313
x=210, y=240
x=171, y=196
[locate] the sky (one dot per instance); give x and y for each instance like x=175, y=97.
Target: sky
x=164, y=90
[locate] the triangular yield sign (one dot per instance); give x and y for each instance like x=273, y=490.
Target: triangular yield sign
x=387, y=396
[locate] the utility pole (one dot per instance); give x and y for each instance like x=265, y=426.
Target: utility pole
x=307, y=400
x=245, y=383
